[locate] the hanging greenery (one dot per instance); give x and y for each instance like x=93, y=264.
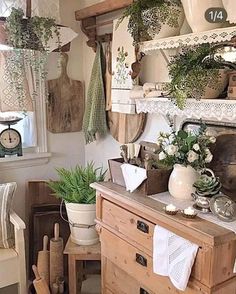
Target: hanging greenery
x=29, y=38
x=147, y=17
x=192, y=70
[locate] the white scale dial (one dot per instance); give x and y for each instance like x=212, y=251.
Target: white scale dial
x=9, y=138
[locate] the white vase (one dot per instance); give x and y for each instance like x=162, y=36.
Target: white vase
x=82, y=214
x=181, y=181
x=230, y=7
x=195, y=14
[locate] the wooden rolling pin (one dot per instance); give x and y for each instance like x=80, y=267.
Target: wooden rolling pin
x=40, y=284
x=43, y=261
x=56, y=257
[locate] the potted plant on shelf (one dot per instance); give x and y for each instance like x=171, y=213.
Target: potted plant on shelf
x=153, y=19
x=197, y=72
x=187, y=153
x=29, y=38
x=73, y=187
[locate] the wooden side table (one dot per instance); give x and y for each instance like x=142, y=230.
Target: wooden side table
x=76, y=255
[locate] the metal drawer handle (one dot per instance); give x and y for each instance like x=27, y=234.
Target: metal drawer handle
x=142, y=227
x=142, y=291
x=141, y=259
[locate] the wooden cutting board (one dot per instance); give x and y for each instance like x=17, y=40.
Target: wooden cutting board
x=65, y=107
x=126, y=128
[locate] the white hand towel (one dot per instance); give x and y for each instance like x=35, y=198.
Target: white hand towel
x=133, y=176
x=173, y=256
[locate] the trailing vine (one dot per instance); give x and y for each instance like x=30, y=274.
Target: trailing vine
x=29, y=38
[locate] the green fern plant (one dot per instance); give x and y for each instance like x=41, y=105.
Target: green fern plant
x=73, y=185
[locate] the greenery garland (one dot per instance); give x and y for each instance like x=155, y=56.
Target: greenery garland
x=29, y=38
x=147, y=17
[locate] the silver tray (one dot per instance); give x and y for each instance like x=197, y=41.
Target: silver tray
x=223, y=207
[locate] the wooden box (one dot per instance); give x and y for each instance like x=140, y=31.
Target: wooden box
x=157, y=179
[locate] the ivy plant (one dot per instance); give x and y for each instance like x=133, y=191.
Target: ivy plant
x=147, y=17
x=29, y=38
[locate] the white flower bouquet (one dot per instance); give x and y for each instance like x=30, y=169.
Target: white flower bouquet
x=186, y=148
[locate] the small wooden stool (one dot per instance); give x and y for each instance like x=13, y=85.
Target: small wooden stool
x=76, y=255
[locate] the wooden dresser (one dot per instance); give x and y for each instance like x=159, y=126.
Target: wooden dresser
x=126, y=223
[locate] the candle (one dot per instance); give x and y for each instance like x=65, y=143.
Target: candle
x=189, y=211
x=170, y=207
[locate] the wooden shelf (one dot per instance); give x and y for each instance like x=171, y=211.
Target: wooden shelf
x=217, y=109
x=212, y=36
x=101, y=8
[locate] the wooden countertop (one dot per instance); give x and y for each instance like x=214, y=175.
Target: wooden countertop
x=196, y=230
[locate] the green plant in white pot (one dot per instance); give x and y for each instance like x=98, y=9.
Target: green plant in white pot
x=73, y=187
x=151, y=19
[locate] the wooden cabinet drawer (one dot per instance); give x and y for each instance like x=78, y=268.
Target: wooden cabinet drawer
x=139, y=265
x=119, y=282
x=129, y=224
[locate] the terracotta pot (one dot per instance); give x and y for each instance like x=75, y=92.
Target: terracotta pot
x=166, y=30
x=214, y=93
x=181, y=181
x=230, y=7
x=195, y=14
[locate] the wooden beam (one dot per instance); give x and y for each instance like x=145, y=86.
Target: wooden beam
x=101, y=8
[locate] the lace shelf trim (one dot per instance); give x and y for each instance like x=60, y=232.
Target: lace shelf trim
x=213, y=36
x=219, y=110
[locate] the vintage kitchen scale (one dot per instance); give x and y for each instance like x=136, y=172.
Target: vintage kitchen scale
x=10, y=139
x=223, y=165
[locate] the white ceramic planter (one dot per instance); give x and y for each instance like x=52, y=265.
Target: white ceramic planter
x=214, y=93
x=230, y=7
x=84, y=214
x=181, y=181
x=166, y=30
x=195, y=14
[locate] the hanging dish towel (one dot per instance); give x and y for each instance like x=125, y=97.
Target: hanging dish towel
x=133, y=176
x=173, y=256
x=94, y=121
x=123, y=55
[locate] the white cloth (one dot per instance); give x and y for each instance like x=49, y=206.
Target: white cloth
x=173, y=256
x=121, y=101
x=136, y=92
x=133, y=176
x=123, y=55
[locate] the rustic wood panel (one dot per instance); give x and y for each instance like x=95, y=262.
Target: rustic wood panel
x=115, y=278
x=197, y=230
x=119, y=214
x=126, y=128
x=123, y=255
x=65, y=107
x=42, y=211
x=126, y=222
x=101, y=8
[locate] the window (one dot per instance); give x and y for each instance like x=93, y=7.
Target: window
x=26, y=127
x=32, y=128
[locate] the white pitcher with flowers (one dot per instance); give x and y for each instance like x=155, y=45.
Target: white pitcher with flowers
x=187, y=153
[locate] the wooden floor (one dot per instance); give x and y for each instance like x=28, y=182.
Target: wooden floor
x=91, y=286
